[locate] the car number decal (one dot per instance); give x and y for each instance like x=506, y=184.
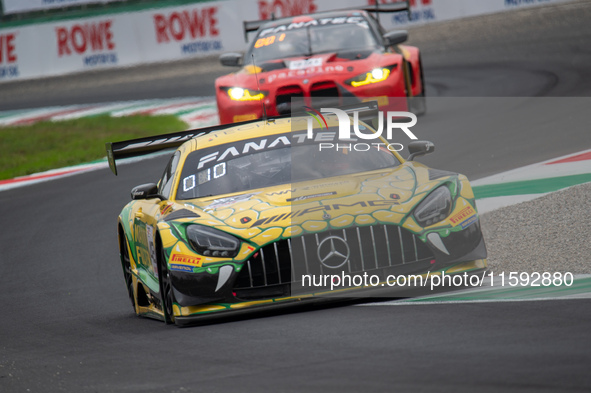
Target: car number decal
x=307, y=63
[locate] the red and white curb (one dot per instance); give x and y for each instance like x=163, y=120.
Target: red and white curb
x=536, y=180
x=68, y=171
x=49, y=175
x=195, y=111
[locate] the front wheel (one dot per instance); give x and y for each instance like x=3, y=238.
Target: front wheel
x=418, y=103
x=166, y=291
x=127, y=273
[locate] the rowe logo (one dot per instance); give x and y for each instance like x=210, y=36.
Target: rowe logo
x=81, y=38
x=7, y=48
x=344, y=134
x=195, y=23
x=283, y=8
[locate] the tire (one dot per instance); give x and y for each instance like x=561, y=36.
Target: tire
x=418, y=103
x=127, y=274
x=166, y=291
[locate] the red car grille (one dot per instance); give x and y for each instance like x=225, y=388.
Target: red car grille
x=325, y=93
x=321, y=94
x=324, y=89
x=284, y=96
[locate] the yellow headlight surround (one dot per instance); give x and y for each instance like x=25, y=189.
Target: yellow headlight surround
x=375, y=76
x=240, y=94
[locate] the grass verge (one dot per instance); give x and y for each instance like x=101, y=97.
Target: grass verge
x=48, y=145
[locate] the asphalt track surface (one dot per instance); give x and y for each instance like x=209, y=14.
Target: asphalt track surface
x=67, y=324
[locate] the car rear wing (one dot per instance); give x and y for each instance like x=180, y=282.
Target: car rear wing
x=151, y=144
x=401, y=6
x=386, y=8
x=250, y=26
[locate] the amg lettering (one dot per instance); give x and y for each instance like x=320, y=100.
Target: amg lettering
x=381, y=203
x=337, y=206
x=311, y=210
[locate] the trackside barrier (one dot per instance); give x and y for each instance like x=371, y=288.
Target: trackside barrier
x=175, y=33
x=21, y=6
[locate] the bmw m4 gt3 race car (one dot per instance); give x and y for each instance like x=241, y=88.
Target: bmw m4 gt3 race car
x=321, y=58
x=243, y=212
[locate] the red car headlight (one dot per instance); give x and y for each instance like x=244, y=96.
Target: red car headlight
x=374, y=76
x=242, y=94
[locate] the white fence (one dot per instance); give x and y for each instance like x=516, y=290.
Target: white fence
x=19, y=6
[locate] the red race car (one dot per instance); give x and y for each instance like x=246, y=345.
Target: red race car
x=322, y=59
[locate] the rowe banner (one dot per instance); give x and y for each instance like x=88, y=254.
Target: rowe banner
x=20, y=6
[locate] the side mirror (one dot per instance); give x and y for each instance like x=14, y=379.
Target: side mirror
x=395, y=37
x=231, y=59
x=419, y=148
x=145, y=191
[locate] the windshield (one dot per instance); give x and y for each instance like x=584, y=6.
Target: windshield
x=307, y=39
x=271, y=161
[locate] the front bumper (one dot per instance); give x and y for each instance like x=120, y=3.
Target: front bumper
x=270, y=276
x=315, y=92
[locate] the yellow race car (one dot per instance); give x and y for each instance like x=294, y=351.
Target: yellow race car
x=258, y=213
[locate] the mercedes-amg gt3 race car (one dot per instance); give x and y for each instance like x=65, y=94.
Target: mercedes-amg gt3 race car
x=321, y=58
x=243, y=212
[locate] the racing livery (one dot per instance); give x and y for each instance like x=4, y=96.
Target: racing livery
x=243, y=211
x=318, y=59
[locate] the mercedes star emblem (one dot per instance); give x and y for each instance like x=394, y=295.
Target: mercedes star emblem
x=333, y=252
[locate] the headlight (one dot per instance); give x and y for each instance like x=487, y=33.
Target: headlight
x=434, y=207
x=374, y=76
x=212, y=242
x=240, y=94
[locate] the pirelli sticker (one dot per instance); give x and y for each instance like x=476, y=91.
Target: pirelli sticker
x=464, y=217
x=185, y=259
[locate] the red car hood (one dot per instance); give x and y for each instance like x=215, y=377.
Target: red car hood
x=304, y=67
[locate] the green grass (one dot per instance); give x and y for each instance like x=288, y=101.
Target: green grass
x=48, y=145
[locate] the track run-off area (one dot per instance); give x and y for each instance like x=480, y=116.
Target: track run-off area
x=508, y=107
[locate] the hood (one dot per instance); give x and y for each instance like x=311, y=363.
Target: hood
x=344, y=62
x=319, y=60
x=261, y=216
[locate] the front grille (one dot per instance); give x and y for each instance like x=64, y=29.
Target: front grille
x=284, y=96
x=379, y=249
x=325, y=93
